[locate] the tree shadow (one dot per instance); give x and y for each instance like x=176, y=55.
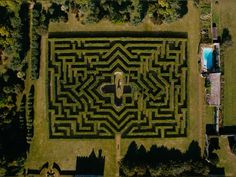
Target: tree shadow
x=159, y=161
x=226, y=36
x=13, y=141
x=90, y=165
x=183, y=8
x=213, y=144
x=160, y=154
x=232, y=141
x=193, y=152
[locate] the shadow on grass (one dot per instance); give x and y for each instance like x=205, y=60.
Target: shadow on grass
x=163, y=161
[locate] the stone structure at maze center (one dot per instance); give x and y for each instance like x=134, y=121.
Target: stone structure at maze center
x=100, y=86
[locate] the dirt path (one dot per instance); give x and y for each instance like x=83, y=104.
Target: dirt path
x=117, y=143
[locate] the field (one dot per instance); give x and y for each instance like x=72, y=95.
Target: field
x=226, y=20
x=226, y=17
x=127, y=93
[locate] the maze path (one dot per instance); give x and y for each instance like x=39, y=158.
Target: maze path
x=100, y=86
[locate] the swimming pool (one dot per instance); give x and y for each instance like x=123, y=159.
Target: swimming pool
x=208, y=58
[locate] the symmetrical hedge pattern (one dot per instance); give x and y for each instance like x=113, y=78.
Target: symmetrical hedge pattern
x=100, y=86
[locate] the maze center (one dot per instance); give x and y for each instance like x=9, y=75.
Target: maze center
x=101, y=86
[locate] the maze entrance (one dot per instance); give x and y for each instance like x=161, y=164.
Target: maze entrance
x=99, y=86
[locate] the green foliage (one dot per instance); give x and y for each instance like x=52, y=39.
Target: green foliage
x=58, y=1
x=35, y=41
x=139, y=11
x=22, y=114
x=161, y=161
x=6, y=101
x=167, y=11
x=14, y=46
x=55, y=14
x=41, y=19
x=30, y=115
x=174, y=168
x=35, y=56
x=92, y=9
x=12, y=5
x=207, y=83
x=11, y=39
x=133, y=11
x=2, y=171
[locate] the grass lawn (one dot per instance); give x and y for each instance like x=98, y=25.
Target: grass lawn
x=64, y=151
x=227, y=158
x=227, y=20
x=216, y=12
x=227, y=17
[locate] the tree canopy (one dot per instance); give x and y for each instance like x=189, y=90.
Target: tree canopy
x=133, y=11
x=162, y=161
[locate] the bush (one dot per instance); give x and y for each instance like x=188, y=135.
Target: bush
x=35, y=42
x=207, y=83
x=30, y=115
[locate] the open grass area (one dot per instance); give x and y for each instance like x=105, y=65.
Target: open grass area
x=216, y=12
x=227, y=16
x=64, y=151
x=226, y=11
x=227, y=158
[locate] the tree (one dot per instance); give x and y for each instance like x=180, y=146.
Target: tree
x=92, y=11
x=12, y=5
x=60, y=2
x=11, y=46
x=2, y=171
x=153, y=13
x=139, y=11
x=55, y=14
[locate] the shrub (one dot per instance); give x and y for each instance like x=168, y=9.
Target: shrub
x=30, y=115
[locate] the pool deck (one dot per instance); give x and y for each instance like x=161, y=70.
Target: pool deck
x=214, y=97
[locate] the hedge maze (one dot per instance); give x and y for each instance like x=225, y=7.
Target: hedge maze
x=100, y=86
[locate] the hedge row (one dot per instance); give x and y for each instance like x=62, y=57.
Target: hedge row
x=35, y=43
x=22, y=114
x=30, y=115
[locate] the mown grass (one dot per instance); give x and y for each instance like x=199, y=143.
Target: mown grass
x=227, y=19
x=64, y=152
x=227, y=158
x=216, y=13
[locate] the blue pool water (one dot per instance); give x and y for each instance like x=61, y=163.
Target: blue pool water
x=208, y=58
